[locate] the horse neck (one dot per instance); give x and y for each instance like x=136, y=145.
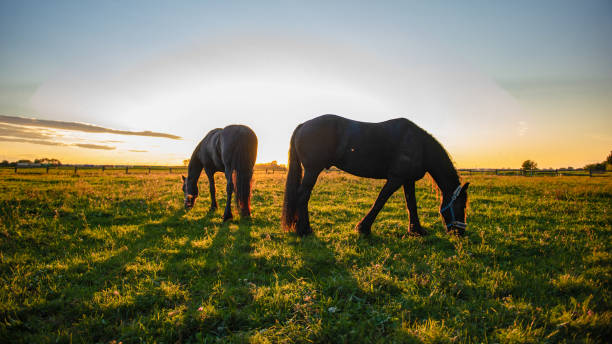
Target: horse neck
x=441, y=169
x=194, y=169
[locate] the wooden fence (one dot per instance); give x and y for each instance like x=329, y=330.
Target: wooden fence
x=75, y=169
x=532, y=173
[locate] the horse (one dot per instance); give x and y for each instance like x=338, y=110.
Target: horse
x=396, y=150
x=231, y=150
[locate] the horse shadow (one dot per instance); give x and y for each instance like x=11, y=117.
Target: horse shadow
x=337, y=294
x=85, y=281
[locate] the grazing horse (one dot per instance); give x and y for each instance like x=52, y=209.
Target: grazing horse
x=231, y=150
x=396, y=150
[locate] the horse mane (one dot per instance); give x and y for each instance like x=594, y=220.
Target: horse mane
x=194, y=161
x=436, y=154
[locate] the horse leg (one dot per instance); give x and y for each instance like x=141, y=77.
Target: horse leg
x=230, y=188
x=364, y=226
x=410, y=196
x=304, y=191
x=211, y=183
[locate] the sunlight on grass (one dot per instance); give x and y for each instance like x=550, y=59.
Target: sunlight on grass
x=98, y=258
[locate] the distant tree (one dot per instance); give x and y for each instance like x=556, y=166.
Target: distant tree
x=4, y=163
x=47, y=161
x=186, y=162
x=601, y=166
x=529, y=165
x=24, y=161
x=273, y=165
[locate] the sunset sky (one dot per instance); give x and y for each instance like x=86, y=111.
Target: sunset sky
x=141, y=82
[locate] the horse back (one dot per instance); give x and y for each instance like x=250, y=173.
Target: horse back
x=380, y=150
x=209, y=151
x=372, y=150
x=238, y=140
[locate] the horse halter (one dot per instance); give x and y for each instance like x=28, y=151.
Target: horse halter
x=454, y=223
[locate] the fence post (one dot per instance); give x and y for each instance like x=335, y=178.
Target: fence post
x=15, y=168
x=126, y=170
x=149, y=170
x=75, y=170
x=103, y=168
x=590, y=172
x=47, y=169
x=495, y=171
x=170, y=170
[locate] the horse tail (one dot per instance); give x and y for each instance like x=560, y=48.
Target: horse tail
x=294, y=178
x=243, y=160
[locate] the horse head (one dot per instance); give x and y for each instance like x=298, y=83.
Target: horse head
x=453, y=210
x=190, y=193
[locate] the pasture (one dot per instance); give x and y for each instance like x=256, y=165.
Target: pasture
x=109, y=258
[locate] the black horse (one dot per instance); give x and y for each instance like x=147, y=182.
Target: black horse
x=396, y=150
x=231, y=150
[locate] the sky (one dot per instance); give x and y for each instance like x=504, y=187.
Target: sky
x=142, y=82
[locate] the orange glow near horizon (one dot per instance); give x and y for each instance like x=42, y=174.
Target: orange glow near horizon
x=154, y=151
x=284, y=83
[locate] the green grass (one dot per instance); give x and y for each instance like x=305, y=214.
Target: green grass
x=113, y=257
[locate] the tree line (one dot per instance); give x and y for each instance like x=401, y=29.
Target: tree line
x=41, y=161
x=529, y=165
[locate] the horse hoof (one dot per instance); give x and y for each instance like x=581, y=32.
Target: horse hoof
x=456, y=232
x=363, y=230
x=212, y=209
x=304, y=232
x=417, y=231
x=227, y=218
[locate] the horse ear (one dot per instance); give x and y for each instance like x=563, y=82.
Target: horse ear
x=183, y=178
x=465, y=187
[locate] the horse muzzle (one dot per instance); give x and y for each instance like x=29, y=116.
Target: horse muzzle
x=189, y=202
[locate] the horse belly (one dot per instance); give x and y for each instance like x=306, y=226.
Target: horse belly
x=370, y=166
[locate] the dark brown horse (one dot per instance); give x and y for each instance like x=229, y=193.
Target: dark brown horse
x=231, y=150
x=396, y=150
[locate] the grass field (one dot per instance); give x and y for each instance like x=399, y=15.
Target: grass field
x=114, y=258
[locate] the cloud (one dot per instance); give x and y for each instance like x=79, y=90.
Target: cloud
x=15, y=131
x=92, y=146
x=600, y=137
x=36, y=142
x=138, y=151
x=558, y=86
x=76, y=126
x=522, y=128
x=54, y=143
